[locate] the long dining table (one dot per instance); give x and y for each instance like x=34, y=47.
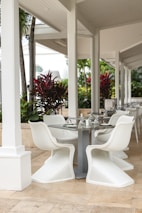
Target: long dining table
x=85, y=135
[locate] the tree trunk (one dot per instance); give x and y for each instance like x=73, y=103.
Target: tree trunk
x=23, y=75
x=32, y=58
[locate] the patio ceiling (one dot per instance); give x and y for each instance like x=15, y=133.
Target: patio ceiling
x=132, y=56
x=91, y=15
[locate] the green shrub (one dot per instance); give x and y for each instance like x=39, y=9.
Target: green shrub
x=27, y=111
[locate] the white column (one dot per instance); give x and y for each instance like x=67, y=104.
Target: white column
x=15, y=162
x=72, y=58
x=126, y=86
x=129, y=86
x=117, y=77
x=95, y=75
x=92, y=74
x=122, y=75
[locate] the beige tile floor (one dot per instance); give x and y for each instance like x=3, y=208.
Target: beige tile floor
x=77, y=196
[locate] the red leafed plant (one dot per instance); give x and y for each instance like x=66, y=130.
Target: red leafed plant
x=105, y=85
x=50, y=94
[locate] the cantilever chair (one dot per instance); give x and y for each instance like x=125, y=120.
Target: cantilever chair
x=62, y=135
x=104, y=135
x=102, y=170
x=52, y=119
x=134, y=112
x=59, y=166
x=112, y=121
x=122, y=154
x=119, y=156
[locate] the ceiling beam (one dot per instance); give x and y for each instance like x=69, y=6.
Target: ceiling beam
x=53, y=45
x=79, y=1
x=85, y=23
x=28, y=10
x=133, y=58
x=48, y=36
x=66, y=4
x=134, y=65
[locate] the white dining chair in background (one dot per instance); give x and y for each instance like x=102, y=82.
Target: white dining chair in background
x=112, y=122
x=54, y=119
x=134, y=112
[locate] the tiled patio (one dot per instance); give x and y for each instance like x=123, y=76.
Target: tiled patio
x=77, y=196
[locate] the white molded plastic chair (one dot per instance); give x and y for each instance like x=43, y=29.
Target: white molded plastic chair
x=59, y=166
x=102, y=169
x=119, y=156
x=54, y=119
x=134, y=112
x=62, y=135
x=139, y=118
x=112, y=121
x=105, y=134
x=122, y=154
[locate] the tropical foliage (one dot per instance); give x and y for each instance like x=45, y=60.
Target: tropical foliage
x=27, y=113
x=49, y=94
x=105, y=85
x=136, y=82
x=84, y=82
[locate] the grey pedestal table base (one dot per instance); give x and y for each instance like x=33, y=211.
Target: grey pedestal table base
x=84, y=139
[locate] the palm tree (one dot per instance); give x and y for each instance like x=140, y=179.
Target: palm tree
x=24, y=20
x=32, y=57
x=81, y=65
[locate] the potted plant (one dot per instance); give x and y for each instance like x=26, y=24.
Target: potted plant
x=49, y=94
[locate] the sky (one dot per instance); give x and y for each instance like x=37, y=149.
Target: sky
x=48, y=60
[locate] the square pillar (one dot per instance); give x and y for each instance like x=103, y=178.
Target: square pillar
x=15, y=171
x=15, y=162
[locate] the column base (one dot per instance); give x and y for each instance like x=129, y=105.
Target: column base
x=15, y=171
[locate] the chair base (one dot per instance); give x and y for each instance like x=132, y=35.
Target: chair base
x=124, y=165
x=103, y=171
x=48, y=175
x=55, y=168
x=120, y=154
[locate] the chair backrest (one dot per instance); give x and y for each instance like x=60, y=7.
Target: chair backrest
x=122, y=112
x=139, y=111
x=54, y=119
x=133, y=111
x=125, y=119
x=116, y=116
x=42, y=136
x=120, y=137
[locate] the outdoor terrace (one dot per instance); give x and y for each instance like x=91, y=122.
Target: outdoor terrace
x=76, y=195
